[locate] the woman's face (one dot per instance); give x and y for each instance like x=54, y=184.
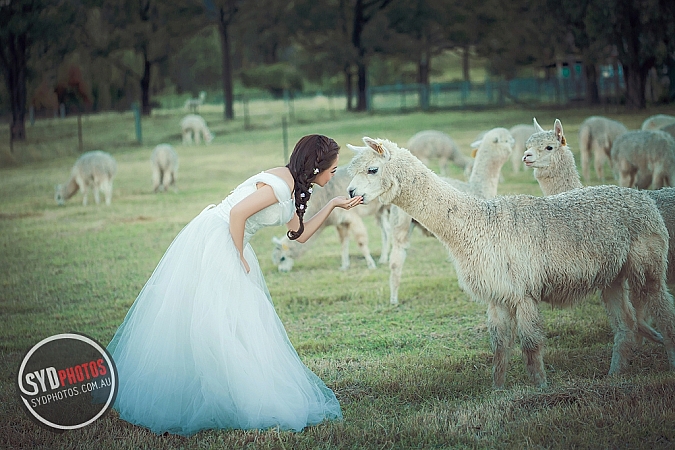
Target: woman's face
x=324, y=176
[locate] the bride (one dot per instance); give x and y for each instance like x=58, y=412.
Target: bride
x=202, y=346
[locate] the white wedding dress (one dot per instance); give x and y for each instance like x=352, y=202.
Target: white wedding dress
x=202, y=346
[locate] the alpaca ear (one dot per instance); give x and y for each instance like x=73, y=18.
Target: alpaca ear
x=354, y=149
x=476, y=144
x=377, y=147
x=537, y=127
x=558, y=130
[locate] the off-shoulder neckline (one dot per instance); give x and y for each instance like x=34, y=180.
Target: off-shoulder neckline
x=282, y=180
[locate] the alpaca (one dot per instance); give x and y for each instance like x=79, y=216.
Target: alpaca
x=596, y=135
x=347, y=222
x=605, y=238
x=432, y=144
x=493, y=150
x=192, y=126
x=644, y=159
x=95, y=171
x=164, y=161
x=520, y=133
x=657, y=121
x=555, y=170
x=192, y=104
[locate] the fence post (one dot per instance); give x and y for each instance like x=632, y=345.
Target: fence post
x=79, y=132
x=424, y=97
x=137, y=121
x=11, y=138
x=247, y=123
x=284, y=132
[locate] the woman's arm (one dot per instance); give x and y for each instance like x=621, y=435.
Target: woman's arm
x=260, y=199
x=317, y=219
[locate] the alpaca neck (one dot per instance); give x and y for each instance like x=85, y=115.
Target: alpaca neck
x=485, y=180
x=560, y=176
x=70, y=189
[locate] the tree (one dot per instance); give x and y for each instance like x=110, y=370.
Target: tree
x=225, y=14
x=28, y=30
x=643, y=34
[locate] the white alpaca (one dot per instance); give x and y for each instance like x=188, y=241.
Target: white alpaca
x=644, y=159
x=596, y=135
x=657, y=121
x=493, y=150
x=193, y=104
x=520, y=134
x=164, y=162
x=347, y=222
x=95, y=171
x=432, y=144
x=514, y=252
x=192, y=127
x=555, y=170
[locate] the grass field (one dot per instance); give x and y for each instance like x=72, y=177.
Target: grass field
x=413, y=376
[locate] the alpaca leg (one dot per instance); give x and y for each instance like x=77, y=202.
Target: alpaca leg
x=663, y=313
x=97, y=192
x=500, y=326
x=156, y=178
x=383, y=222
x=443, y=165
x=343, y=232
x=599, y=161
x=531, y=335
x=585, y=152
x=197, y=136
x=167, y=179
x=401, y=229
x=108, y=192
x=360, y=233
x=624, y=323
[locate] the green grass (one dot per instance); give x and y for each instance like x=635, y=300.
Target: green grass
x=413, y=376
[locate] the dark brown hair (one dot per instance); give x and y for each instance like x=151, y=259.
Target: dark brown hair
x=312, y=152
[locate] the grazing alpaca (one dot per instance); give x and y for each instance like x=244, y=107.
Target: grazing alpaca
x=432, y=144
x=95, y=171
x=347, y=222
x=492, y=151
x=596, y=135
x=605, y=238
x=192, y=127
x=164, y=161
x=644, y=159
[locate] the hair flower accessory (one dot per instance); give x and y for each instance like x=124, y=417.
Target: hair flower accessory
x=316, y=171
x=302, y=206
x=302, y=195
x=309, y=190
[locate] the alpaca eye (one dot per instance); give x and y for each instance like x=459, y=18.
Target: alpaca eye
x=372, y=170
x=548, y=147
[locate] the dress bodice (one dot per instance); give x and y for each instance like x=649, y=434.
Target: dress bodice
x=273, y=215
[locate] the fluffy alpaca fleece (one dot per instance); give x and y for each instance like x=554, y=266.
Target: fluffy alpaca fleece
x=347, y=222
x=644, y=159
x=555, y=170
x=93, y=171
x=657, y=121
x=596, y=135
x=492, y=151
x=164, y=161
x=433, y=144
x=605, y=238
x=192, y=127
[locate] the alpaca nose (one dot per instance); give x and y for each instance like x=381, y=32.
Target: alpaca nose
x=351, y=193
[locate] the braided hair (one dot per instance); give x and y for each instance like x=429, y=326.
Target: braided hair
x=312, y=155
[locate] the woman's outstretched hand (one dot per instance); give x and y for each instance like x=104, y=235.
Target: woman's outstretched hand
x=346, y=202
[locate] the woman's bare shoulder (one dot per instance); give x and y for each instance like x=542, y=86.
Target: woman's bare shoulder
x=284, y=174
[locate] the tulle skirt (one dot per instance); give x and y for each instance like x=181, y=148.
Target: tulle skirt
x=202, y=346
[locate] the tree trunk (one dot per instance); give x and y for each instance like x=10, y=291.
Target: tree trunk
x=15, y=78
x=423, y=68
x=466, y=69
x=635, y=87
x=348, y=87
x=361, y=101
x=145, y=87
x=227, y=68
x=592, y=94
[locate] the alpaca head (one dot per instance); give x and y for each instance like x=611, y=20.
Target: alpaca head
x=208, y=136
x=282, y=256
x=376, y=170
x=496, y=144
x=59, y=195
x=542, y=145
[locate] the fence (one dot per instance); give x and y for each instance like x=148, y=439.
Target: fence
x=464, y=94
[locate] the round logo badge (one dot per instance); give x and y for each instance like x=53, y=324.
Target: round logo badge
x=67, y=381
